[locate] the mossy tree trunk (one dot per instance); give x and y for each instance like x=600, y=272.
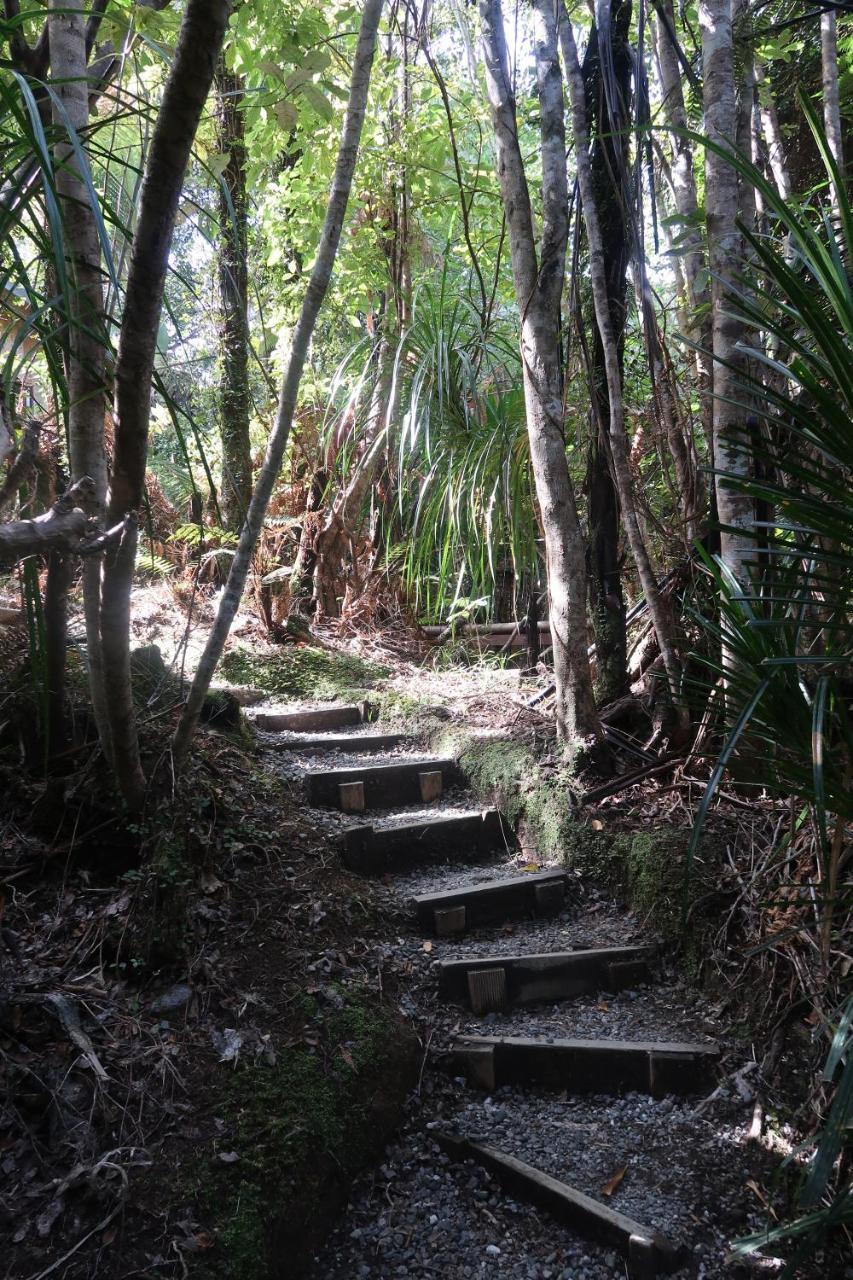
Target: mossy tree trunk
x=608, y=161
x=232, y=269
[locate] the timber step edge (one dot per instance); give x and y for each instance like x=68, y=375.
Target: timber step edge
x=311, y=719
x=384, y=785
x=372, y=850
x=587, y=1066
x=646, y=1251
x=491, y=983
x=492, y=901
x=369, y=743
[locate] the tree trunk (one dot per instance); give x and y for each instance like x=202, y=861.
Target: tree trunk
x=187, y=87
x=687, y=207
x=234, y=392
x=831, y=106
x=538, y=289
x=772, y=135
x=314, y=296
x=60, y=571
x=87, y=340
x=734, y=510
x=609, y=158
x=617, y=437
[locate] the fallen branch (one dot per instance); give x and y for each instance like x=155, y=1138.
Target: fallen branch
x=63, y=528
x=627, y=780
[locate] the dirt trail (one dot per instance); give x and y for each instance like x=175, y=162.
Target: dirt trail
x=662, y=1144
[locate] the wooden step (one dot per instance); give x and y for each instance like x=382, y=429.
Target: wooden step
x=555, y=975
x=587, y=1066
x=537, y=893
x=369, y=743
x=647, y=1253
x=310, y=719
x=385, y=785
x=372, y=850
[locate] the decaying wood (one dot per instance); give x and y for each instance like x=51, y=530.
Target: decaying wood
x=63, y=528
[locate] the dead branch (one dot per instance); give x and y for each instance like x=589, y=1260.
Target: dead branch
x=63, y=528
x=627, y=780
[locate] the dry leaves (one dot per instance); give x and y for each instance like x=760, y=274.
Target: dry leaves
x=614, y=1182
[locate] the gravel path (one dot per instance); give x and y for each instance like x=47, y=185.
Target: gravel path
x=678, y=1165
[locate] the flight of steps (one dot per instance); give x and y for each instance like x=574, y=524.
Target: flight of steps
x=385, y=838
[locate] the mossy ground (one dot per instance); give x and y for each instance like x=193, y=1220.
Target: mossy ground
x=301, y=1129
x=302, y=672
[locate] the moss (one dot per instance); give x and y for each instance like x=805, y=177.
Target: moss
x=302, y=671
x=645, y=869
x=510, y=774
x=302, y=1128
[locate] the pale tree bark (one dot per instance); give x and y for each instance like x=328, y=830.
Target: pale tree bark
x=734, y=510
x=87, y=338
x=831, y=105
x=683, y=183
x=772, y=134
x=618, y=440
x=232, y=270
x=315, y=293
x=538, y=288
x=187, y=88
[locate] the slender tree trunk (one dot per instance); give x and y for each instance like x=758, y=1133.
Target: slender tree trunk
x=314, y=295
x=617, y=437
x=538, y=289
x=87, y=339
x=687, y=207
x=772, y=134
x=608, y=162
x=831, y=106
x=734, y=510
x=234, y=392
x=187, y=87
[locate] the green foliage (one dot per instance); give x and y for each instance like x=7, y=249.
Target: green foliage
x=459, y=451
x=788, y=631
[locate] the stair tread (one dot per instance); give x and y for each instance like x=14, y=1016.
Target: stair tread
x=493, y=886
x=645, y=1248
x=521, y=957
x=622, y=1046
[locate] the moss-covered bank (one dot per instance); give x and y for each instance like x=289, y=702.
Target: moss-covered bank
x=294, y=1133
x=302, y=672
x=645, y=869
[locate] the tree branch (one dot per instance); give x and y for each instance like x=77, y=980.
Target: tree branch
x=63, y=528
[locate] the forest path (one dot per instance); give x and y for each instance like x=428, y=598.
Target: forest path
x=558, y=1130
